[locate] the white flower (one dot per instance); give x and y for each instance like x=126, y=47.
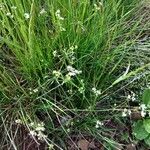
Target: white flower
x=41, y=136
x=143, y=113
x=43, y=11
x=81, y=89
x=142, y=107
x=129, y=112
x=18, y=121
x=35, y=90
x=76, y=46
x=55, y=53
x=56, y=73
x=129, y=97
x=26, y=15
x=96, y=7
x=70, y=68
x=71, y=74
x=96, y=92
x=8, y=14
x=57, y=14
x=72, y=71
x=32, y=133
x=98, y=124
x=31, y=124
x=124, y=113
x=40, y=128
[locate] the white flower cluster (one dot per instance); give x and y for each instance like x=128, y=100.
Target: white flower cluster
x=99, y=124
x=131, y=97
x=26, y=15
x=9, y=15
x=71, y=54
x=43, y=11
x=1, y=6
x=56, y=73
x=98, y=6
x=73, y=47
x=143, y=110
x=31, y=91
x=58, y=16
x=96, y=92
x=126, y=112
x=18, y=121
x=37, y=130
x=72, y=71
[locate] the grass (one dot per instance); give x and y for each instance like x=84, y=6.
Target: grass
x=69, y=64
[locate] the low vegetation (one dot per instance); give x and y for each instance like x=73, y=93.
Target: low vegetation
x=73, y=74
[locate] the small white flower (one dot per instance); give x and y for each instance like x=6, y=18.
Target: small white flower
x=26, y=15
x=96, y=92
x=70, y=68
x=71, y=74
x=31, y=124
x=55, y=53
x=8, y=14
x=81, y=89
x=56, y=73
x=57, y=14
x=72, y=71
x=71, y=48
x=143, y=113
x=142, y=107
x=133, y=99
x=98, y=124
x=41, y=136
x=124, y=113
x=129, y=97
x=43, y=11
x=35, y=90
x=96, y=7
x=94, y=89
x=76, y=46
x=18, y=121
x=40, y=128
x=32, y=133
x=129, y=112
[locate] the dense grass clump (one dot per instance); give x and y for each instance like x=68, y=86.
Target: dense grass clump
x=66, y=64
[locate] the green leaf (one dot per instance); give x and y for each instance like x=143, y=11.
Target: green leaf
x=139, y=130
x=147, y=140
x=147, y=125
x=146, y=97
